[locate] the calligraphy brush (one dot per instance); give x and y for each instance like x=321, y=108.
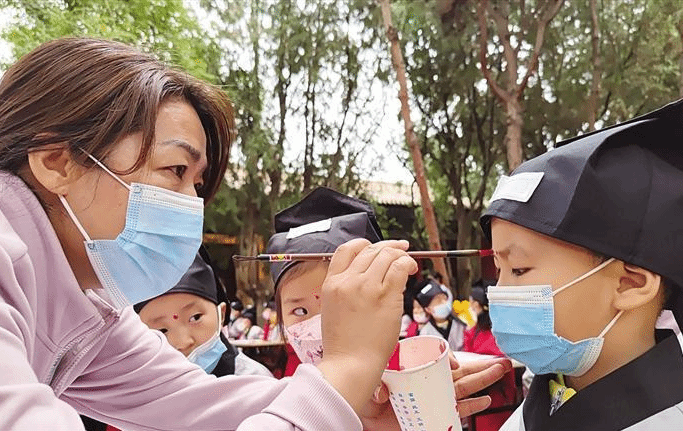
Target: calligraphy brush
x=328, y=256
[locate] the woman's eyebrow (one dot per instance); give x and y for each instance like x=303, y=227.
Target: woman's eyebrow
x=192, y=151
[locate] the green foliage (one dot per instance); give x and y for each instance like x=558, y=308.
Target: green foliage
x=161, y=26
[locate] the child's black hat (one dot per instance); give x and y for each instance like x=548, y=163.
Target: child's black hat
x=198, y=280
x=319, y=223
x=617, y=192
x=428, y=289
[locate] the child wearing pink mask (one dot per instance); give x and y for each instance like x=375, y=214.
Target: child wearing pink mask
x=320, y=223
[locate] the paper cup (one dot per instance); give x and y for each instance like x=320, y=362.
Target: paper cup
x=422, y=392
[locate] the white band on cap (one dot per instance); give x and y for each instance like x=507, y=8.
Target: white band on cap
x=518, y=187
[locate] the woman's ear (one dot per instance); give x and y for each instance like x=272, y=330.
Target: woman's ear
x=54, y=168
x=637, y=287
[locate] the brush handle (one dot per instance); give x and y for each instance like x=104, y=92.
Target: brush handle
x=328, y=256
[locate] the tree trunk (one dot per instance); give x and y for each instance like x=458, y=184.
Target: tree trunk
x=513, y=135
x=464, y=241
x=413, y=144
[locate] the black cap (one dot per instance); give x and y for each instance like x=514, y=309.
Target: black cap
x=617, y=192
x=237, y=305
x=319, y=223
x=428, y=289
x=478, y=293
x=198, y=280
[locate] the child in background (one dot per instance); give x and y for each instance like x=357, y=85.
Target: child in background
x=441, y=321
x=236, y=308
x=588, y=239
x=191, y=318
x=271, y=330
x=416, y=322
x=479, y=339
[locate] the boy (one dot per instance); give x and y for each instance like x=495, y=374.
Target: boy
x=191, y=318
x=588, y=240
x=441, y=321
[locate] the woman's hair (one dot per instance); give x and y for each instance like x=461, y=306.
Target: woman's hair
x=91, y=93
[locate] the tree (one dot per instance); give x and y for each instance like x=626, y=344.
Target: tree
x=413, y=144
x=510, y=93
x=170, y=32
x=461, y=125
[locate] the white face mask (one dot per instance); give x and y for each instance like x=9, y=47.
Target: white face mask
x=306, y=339
x=420, y=317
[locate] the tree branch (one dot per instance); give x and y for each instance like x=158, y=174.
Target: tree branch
x=483, y=63
x=540, y=36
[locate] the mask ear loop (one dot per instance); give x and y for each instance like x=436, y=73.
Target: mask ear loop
x=74, y=219
x=610, y=324
x=585, y=276
x=106, y=169
x=68, y=207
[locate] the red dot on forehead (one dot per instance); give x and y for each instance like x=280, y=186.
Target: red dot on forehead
x=175, y=317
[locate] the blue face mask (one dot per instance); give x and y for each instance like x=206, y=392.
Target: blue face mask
x=441, y=311
x=523, y=323
x=209, y=353
x=161, y=237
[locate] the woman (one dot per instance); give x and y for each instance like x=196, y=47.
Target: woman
x=96, y=137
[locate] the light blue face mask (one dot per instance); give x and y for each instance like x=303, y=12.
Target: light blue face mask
x=523, y=324
x=161, y=237
x=442, y=311
x=209, y=353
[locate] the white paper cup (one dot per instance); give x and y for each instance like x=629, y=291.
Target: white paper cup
x=422, y=392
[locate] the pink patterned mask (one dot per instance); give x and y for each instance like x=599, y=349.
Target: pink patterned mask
x=306, y=339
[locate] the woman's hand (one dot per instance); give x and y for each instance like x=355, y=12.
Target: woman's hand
x=469, y=378
x=362, y=304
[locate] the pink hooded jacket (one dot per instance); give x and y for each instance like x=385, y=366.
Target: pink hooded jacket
x=66, y=351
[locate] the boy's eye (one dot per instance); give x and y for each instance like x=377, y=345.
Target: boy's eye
x=196, y=317
x=518, y=272
x=163, y=330
x=300, y=311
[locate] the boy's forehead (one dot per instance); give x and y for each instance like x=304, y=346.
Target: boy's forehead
x=510, y=239
x=166, y=305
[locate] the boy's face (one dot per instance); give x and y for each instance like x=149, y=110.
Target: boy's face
x=300, y=295
x=187, y=320
x=525, y=257
x=440, y=298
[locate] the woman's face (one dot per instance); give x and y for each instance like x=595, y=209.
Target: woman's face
x=177, y=162
x=300, y=295
x=187, y=320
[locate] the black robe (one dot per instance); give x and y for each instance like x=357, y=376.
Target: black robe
x=645, y=394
